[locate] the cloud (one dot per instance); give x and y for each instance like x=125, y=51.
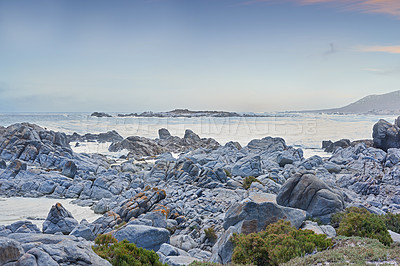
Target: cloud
x=394, y=49
x=390, y=7
x=384, y=71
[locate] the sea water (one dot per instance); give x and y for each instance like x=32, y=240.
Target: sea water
x=303, y=130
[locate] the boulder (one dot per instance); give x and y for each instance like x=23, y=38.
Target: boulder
x=143, y=236
x=163, y=133
x=60, y=220
x=248, y=166
x=183, y=242
x=10, y=250
x=110, y=136
x=140, y=203
x=395, y=236
x=330, y=146
x=83, y=230
x=251, y=217
x=386, y=135
x=69, y=169
x=327, y=230
x=169, y=250
x=157, y=218
x=305, y=191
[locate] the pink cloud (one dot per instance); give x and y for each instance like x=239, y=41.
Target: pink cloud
x=391, y=7
x=395, y=49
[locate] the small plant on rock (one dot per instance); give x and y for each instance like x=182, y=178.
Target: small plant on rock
x=228, y=174
x=248, y=180
x=210, y=234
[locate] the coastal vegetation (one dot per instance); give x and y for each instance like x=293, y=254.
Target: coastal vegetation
x=124, y=253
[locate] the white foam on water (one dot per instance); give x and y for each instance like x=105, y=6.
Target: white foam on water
x=36, y=210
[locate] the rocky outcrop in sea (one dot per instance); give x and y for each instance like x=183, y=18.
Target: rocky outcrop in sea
x=166, y=204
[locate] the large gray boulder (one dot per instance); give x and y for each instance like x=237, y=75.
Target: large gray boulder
x=307, y=192
x=143, y=236
x=59, y=219
x=10, y=250
x=250, y=217
x=163, y=133
x=386, y=135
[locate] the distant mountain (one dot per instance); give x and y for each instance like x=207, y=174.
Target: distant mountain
x=382, y=104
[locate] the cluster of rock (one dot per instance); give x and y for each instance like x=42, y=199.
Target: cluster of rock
x=143, y=147
x=167, y=205
x=110, y=136
x=182, y=113
x=100, y=114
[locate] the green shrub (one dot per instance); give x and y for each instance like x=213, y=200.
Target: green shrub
x=120, y=225
x=248, y=180
x=360, y=222
x=124, y=253
x=210, y=234
x=279, y=243
x=228, y=174
x=392, y=222
x=315, y=220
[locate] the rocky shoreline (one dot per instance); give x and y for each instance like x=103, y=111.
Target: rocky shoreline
x=185, y=113
x=166, y=205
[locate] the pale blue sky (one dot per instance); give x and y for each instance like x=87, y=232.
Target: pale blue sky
x=237, y=55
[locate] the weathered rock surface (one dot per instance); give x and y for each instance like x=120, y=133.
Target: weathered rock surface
x=250, y=217
x=47, y=249
x=327, y=230
x=10, y=250
x=110, y=136
x=60, y=220
x=386, y=135
x=147, y=237
x=179, y=260
x=142, y=147
x=307, y=192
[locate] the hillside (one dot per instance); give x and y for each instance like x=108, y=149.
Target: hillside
x=380, y=104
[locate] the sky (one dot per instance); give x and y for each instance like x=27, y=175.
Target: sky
x=234, y=55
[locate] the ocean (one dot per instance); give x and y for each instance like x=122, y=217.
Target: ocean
x=303, y=130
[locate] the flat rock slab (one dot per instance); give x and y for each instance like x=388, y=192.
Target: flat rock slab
x=260, y=197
